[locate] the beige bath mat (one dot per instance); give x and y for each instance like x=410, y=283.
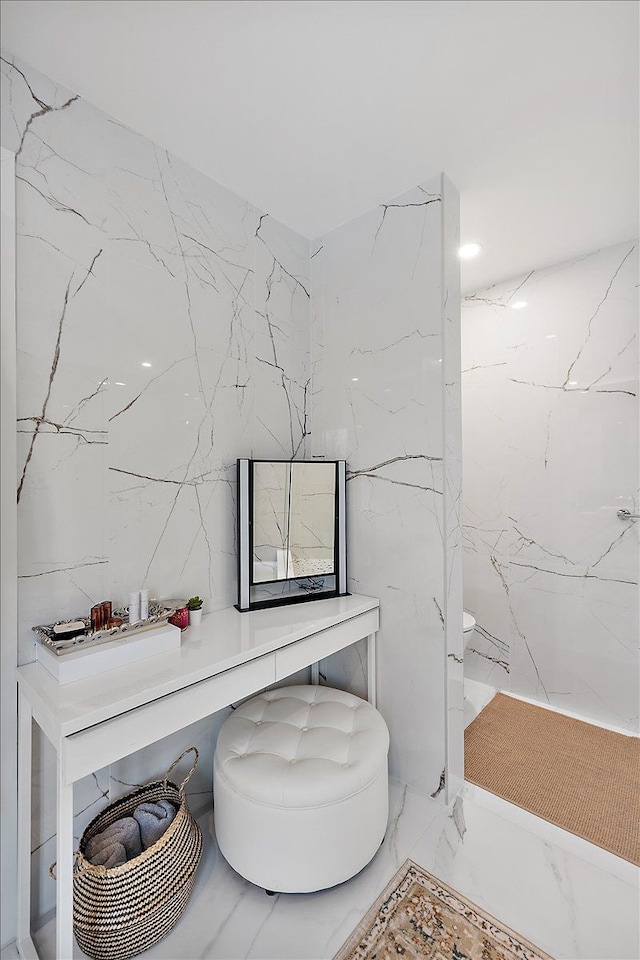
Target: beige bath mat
x=581, y=777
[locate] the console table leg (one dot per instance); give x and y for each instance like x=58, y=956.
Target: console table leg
x=371, y=669
x=64, y=869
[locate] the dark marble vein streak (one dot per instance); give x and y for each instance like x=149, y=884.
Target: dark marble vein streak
x=593, y=317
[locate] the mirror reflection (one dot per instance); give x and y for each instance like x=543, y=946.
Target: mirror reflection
x=293, y=520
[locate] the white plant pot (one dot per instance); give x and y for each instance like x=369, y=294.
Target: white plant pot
x=195, y=617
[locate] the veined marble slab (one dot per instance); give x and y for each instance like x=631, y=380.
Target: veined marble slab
x=385, y=350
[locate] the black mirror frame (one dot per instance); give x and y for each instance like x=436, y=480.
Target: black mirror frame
x=244, y=540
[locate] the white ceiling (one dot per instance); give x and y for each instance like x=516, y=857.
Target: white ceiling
x=316, y=110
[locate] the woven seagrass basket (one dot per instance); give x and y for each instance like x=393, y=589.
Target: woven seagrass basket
x=121, y=911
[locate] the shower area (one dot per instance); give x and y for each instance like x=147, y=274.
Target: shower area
x=550, y=460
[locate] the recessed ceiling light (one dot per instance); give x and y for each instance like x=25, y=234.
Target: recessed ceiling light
x=519, y=305
x=469, y=250
x=119, y=383
x=573, y=383
x=145, y=364
x=354, y=379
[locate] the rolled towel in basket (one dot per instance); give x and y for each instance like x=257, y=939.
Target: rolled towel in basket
x=110, y=854
x=154, y=818
x=125, y=831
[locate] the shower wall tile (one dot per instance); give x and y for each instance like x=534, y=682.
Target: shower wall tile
x=378, y=331
x=163, y=331
x=486, y=596
x=485, y=353
x=551, y=435
x=574, y=641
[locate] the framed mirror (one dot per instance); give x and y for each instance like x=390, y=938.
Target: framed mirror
x=291, y=531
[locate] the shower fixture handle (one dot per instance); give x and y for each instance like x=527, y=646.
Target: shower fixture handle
x=627, y=515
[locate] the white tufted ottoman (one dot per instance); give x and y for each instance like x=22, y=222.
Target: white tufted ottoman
x=300, y=787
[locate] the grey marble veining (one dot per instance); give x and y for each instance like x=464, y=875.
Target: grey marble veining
x=551, y=432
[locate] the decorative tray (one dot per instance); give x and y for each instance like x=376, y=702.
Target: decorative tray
x=159, y=613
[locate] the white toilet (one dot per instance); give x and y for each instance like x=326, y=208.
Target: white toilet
x=468, y=626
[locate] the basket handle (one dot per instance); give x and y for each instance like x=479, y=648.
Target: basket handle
x=52, y=868
x=176, y=762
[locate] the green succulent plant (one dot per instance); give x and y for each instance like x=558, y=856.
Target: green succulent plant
x=195, y=603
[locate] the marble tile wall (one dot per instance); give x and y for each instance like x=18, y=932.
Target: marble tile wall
x=384, y=342
x=163, y=331
x=550, y=434
x=165, y=328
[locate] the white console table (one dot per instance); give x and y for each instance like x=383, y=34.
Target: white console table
x=94, y=722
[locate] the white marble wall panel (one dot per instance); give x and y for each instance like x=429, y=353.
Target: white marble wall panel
x=62, y=430
x=282, y=342
x=551, y=433
x=378, y=329
x=183, y=247
x=163, y=331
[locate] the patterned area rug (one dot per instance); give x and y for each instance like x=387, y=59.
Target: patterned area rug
x=418, y=916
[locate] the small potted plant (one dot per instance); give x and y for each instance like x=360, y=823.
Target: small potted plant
x=194, y=606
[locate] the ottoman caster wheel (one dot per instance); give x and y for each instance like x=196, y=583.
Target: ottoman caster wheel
x=270, y=893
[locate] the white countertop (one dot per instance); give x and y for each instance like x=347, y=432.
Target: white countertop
x=225, y=639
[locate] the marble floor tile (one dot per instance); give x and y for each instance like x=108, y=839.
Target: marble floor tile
x=229, y=918
x=571, y=898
